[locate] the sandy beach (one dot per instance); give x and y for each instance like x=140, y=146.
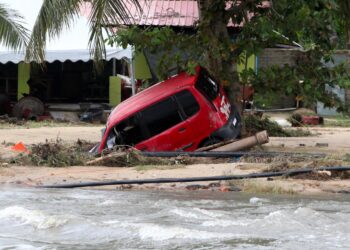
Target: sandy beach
x=338, y=140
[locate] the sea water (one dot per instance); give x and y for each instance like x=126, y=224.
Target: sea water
x=112, y=219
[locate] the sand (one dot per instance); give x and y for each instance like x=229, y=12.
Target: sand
x=338, y=140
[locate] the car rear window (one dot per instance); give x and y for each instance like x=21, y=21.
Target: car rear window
x=207, y=85
x=161, y=116
x=188, y=103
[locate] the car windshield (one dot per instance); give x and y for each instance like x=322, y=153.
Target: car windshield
x=207, y=85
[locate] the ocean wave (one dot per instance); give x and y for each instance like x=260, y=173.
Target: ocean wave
x=186, y=213
x=107, y=203
x=256, y=200
x=157, y=232
x=34, y=218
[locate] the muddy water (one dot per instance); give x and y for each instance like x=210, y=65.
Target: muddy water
x=95, y=219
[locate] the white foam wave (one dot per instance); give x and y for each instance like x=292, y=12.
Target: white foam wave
x=305, y=211
x=256, y=200
x=185, y=213
x=22, y=247
x=107, y=203
x=160, y=233
x=111, y=222
x=226, y=223
x=32, y=217
x=209, y=213
x=196, y=213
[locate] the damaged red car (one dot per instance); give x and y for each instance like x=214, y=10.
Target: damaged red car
x=184, y=112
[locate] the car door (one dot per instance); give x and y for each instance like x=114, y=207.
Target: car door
x=166, y=127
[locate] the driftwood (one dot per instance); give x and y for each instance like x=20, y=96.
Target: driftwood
x=106, y=157
x=216, y=145
x=248, y=142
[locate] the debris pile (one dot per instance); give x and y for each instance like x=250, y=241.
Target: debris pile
x=5, y=119
x=131, y=157
x=53, y=154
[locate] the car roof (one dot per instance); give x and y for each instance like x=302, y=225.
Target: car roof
x=151, y=95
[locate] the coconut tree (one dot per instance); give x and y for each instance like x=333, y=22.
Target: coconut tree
x=13, y=34
x=56, y=15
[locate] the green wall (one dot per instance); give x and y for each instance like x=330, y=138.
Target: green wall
x=141, y=67
x=114, y=90
x=251, y=63
x=23, y=77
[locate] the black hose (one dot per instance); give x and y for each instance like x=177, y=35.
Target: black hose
x=196, y=179
x=223, y=154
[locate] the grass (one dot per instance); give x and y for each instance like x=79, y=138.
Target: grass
x=347, y=158
x=337, y=121
x=254, y=124
x=261, y=187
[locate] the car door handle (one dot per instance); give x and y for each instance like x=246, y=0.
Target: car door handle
x=182, y=129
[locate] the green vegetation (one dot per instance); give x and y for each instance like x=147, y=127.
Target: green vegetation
x=337, y=121
x=312, y=26
x=254, y=124
x=347, y=157
x=55, y=154
x=12, y=33
x=262, y=187
x=317, y=27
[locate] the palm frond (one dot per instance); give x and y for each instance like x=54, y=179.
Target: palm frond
x=54, y=16
x=13, y=34
x=103, y=13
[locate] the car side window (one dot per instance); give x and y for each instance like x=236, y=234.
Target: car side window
x=188, y=103
x=128, y=132
x=207, y=85
x=161, y=116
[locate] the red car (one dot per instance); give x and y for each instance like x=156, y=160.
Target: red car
x=184, y=112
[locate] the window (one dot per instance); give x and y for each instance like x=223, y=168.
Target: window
x=161, y=116
x=207, y=85
x=188, y=102
x=127, y=132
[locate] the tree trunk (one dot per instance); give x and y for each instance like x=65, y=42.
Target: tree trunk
x=221, y=55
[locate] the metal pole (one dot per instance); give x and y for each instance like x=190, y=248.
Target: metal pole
x=132, y=71
x=114, y=67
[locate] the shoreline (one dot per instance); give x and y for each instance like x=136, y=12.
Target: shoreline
x=26, y=176
x=337, y=139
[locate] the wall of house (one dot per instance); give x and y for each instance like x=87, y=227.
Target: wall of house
x=276, y=56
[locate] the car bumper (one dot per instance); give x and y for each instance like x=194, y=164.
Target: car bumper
x=232, y=129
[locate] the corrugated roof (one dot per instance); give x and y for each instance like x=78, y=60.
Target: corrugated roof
x=182, y=13
x=166, y=13
x=65, y=55
x=176, y=13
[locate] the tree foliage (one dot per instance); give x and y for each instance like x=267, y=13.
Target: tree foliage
x=13, y=34
x=315, y=26
x=56, y=15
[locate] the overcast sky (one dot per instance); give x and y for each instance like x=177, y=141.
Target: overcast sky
x=76, y=38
